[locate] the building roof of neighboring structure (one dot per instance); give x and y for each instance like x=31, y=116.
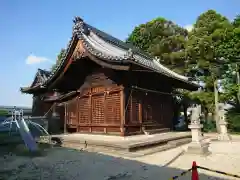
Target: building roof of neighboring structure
x=40, y=77
x=109, y=49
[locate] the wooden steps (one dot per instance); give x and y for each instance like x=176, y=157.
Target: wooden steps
x=152, y=125
x=156, y=131
x=159, y=148
x=154, y=128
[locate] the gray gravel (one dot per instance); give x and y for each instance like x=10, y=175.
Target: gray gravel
x=69, y=164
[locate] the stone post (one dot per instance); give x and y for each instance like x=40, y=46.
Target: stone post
x=223, y=136
x=198, y=145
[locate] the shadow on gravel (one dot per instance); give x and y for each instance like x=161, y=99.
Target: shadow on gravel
x=60, y=163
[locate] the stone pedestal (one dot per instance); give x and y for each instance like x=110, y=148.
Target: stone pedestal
x=223, y=136
x=197, y=146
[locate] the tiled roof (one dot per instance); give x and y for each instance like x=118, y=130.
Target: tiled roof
x=107, y=47
x=40, y=77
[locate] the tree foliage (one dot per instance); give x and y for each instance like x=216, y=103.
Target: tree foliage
x=59, y=58
x=233, y=118
x=236, y=21
x=203, y=44
x=230, y=49
x=163, y=39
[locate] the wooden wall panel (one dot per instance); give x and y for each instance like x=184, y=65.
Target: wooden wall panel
x=99, y=80
x=72, y=112
x=99, y=104
x=84, y=129
x=83, y=110
x=113, y=129
x=98, y=115
x=98, y=111
x=147, y=109
x=133, y=111
x=112, y=108
x=144, y=109
x=98, y=90
x=128, y=110
x=98, y=129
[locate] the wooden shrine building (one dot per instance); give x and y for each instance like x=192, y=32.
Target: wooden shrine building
x=104, y=85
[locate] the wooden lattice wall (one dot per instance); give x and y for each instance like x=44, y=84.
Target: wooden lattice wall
x=101, y=110
x=148, y=109
x=98, y=110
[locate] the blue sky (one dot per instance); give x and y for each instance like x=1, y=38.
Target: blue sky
x=33, y=32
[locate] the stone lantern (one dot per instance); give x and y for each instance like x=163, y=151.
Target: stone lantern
x=198, y=145
x=223, y=136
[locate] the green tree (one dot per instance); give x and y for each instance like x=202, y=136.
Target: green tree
x=230, y=85
x=161, y=38
x=203, y=59
x=59, y=58
x=230, y=49
x=203, y=41
x=213, y=47
x=236, y=21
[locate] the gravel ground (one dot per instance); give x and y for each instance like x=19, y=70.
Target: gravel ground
x=69, y=164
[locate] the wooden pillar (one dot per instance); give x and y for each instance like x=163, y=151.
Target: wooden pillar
x=122, y=108
x=54, y=110
x=90, y=111
x=131, y=107
x=65, y=118
x=77, y=114
x=140, y=112
x=140, y=115
x=105, y=109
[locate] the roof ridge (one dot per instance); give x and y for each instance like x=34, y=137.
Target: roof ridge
x=118, y=42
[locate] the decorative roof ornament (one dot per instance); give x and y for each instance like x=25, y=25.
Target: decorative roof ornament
x=40, y=79
x=79, y=26
x=129, y=54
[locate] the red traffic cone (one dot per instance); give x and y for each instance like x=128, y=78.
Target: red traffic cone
x=194, y=171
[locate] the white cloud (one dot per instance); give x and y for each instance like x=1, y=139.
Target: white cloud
x=189, y=27
x=32, y=59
